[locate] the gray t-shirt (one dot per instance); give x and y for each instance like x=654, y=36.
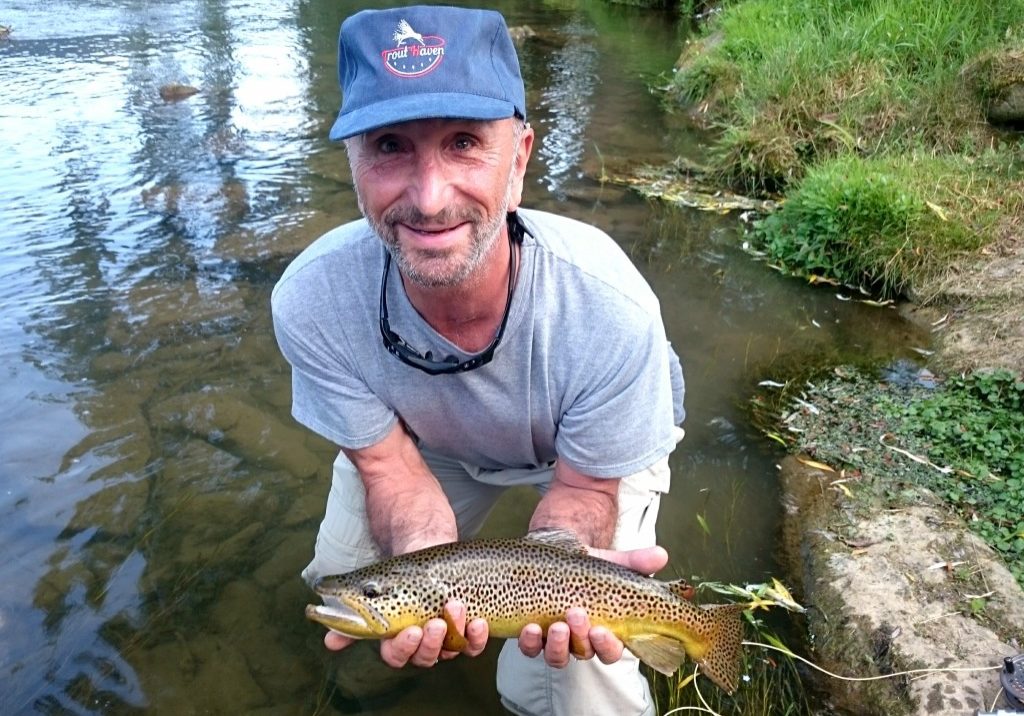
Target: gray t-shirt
x=583, y=373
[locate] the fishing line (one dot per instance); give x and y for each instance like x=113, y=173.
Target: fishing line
x=706, y=708
x=936, y=670
x=996, y=699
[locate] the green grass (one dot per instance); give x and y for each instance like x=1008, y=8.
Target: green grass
x=966, y=437
x=870, y=117
x=890, y=224
x=796, y=81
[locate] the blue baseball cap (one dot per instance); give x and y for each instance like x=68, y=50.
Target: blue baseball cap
x=425, y=62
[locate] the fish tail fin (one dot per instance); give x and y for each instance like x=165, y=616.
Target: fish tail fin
x=721, y=662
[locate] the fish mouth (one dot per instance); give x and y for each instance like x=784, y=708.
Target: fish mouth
x=351, y=617
x=338, y=617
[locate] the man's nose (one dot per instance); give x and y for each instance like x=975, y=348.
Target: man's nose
x=431, y=185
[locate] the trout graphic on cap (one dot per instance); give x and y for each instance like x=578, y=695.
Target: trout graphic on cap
x=419, y=57
x=425, y=62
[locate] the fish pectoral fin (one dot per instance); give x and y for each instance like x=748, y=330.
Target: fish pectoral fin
x=576, y=647
x=661, y=653
x=453, y=640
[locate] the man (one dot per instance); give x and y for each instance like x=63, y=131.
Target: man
x=453, y=345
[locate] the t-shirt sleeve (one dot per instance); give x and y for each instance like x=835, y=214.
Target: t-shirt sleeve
x=620, y=419
x=329, y=394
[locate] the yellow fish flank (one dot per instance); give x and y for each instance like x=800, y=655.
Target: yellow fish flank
x=514, y=582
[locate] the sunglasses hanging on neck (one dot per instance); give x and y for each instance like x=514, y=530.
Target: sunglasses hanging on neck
x=397, y=347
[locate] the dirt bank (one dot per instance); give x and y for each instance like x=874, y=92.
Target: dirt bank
x=894, y=588
x=897, y=581
x=977, y=308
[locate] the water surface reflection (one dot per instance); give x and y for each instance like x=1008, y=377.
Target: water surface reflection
x=159, y=501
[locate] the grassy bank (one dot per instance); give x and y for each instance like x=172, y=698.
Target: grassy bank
x=874, y=123
x=871, y=119
x=962, y=439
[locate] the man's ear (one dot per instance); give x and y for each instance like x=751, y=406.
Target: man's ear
x=523, y=152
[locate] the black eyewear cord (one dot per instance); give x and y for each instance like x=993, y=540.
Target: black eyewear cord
x=410, y=356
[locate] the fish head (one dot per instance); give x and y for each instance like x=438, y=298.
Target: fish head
x=373, y=605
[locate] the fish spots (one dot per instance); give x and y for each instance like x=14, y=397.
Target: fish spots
x=513, y=582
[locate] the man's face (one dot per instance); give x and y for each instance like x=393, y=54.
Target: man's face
x=437, y=191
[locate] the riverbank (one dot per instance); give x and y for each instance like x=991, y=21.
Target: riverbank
x=890, y=135
x=888, y=557
x=888, y=138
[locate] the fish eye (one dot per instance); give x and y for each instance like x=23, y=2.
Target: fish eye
x=372, y=589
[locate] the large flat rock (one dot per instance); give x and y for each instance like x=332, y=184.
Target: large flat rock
x=896, y=589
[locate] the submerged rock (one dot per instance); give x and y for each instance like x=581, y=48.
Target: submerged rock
x=521, y=33
x=288, y=559
x=242, y=428
x=206, y=674
x=116, y=510
x=175, y=92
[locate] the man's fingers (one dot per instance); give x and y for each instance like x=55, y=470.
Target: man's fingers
x=477, y=633
x=574, y=636
x=335, y=641
x=429, y=650
x=419, y=647
x=579, y=633
x=425, y=647
x=605, y=644
x=397, y=652
x=531, y=640
x=647, y=560
x=556, y=648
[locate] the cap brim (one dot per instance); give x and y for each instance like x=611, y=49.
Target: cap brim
x=447, y=105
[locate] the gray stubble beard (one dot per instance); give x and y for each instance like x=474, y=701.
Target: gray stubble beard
x=483, y=235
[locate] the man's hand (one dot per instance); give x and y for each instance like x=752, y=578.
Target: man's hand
x=423, y=646
x=576, y=629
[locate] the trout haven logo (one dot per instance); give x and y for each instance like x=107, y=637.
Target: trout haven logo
x=413, y=55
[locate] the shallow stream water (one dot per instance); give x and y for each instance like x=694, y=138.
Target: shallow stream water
x=157, y=500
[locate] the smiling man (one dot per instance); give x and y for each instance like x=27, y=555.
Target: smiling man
x=453, y=344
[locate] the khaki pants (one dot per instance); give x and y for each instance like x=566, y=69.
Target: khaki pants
x=527, y=686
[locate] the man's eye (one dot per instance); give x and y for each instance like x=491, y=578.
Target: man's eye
x=388, y=145
x=463, y=143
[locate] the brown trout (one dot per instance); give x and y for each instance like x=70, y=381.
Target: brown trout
x=513, y=582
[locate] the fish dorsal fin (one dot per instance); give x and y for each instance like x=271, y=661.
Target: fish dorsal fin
x=681, y=588
x=661, y=653
x=556, y=537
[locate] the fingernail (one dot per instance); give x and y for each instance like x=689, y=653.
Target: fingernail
x=598, y=637
x=574, y=618
x=435, y=630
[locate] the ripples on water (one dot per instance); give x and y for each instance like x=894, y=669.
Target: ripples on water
x=158, y=501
